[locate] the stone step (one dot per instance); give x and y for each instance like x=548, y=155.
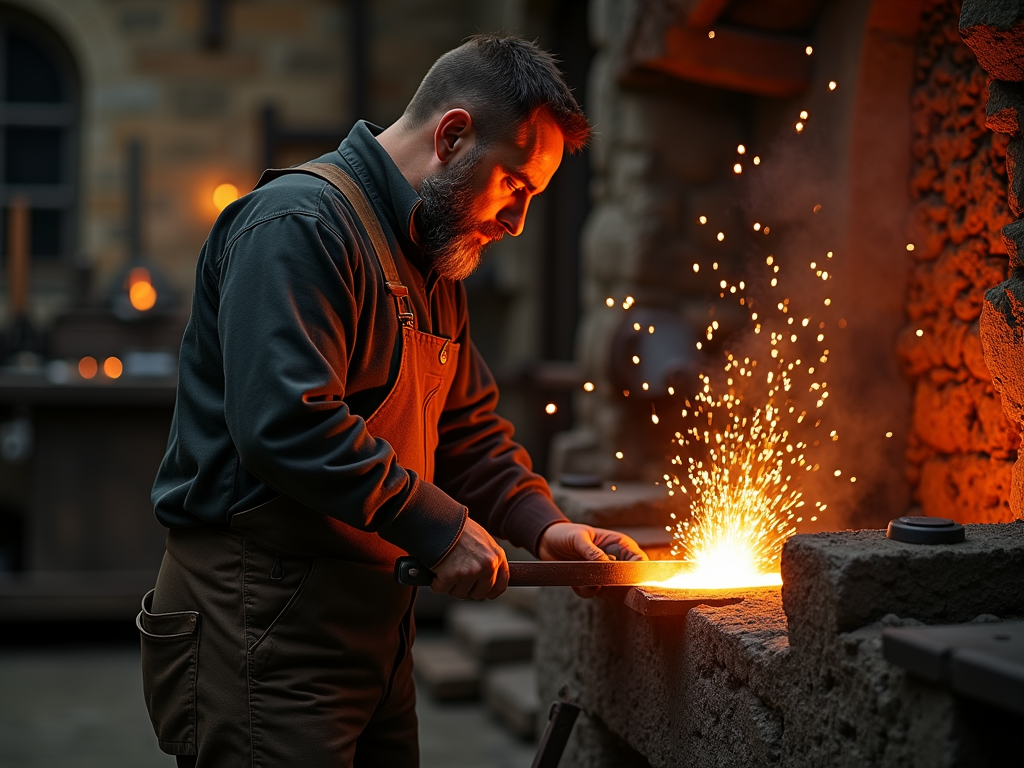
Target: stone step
x=523, y=599
x=445, y=669
x=492, y=632
x=510, y=694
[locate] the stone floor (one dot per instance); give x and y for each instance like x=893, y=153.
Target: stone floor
x=81, y=705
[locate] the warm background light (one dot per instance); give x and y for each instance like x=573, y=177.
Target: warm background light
x=141, y=292
x=112, y=367
x=224, y=195
x=87, y=367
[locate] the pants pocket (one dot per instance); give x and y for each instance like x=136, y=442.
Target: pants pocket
x=170, y=650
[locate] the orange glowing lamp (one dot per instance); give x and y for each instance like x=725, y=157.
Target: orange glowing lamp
x=112, y=368
x=224, y=195
x=87, y=367
x=141, y=292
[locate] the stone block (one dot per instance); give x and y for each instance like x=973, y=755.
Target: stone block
x=838, y=582
x=983, y=660
x=510, y=694
x=1015, y=175
x=994, y=30
x=631, y=504
x=1013, y=240
x=1002, y=327
x=522, y=599
x=445, y=669
x=492, y=632
x=1005, y=102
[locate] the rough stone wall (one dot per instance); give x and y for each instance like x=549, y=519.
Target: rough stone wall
x=660, y=158
x=792, y=679
x=995, y=31
x=961, y=447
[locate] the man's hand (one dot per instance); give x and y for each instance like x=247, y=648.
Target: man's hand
x=475, y=568
x=570, y=541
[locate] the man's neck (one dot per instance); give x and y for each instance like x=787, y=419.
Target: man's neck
x=405, y=147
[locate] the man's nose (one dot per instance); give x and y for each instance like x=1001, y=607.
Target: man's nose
x=513, y=216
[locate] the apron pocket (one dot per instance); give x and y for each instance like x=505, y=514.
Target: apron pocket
x=170, y=649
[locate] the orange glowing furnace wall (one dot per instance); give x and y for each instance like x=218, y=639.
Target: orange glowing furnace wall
x=961, y=448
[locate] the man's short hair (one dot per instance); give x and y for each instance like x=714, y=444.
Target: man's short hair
x=502, y=81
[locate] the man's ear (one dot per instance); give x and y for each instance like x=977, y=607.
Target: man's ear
x=455, y=131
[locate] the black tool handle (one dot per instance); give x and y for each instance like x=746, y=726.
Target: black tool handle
x=561, y=719
x=412, y=573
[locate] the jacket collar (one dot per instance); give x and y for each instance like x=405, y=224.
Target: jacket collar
x=384, y=184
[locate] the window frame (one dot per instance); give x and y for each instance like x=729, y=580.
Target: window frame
x=65, y=115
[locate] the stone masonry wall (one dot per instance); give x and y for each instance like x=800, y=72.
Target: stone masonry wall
x=146, y=74
x=660, y=158
x=961, y=447
x=995, y=31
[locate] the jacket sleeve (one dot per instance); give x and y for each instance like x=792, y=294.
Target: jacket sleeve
x=479, y=463
x=289, y=298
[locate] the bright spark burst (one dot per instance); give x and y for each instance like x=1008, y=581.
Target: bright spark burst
x=741, y=454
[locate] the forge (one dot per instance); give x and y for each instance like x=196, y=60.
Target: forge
x=799, y=674
x=887, y=161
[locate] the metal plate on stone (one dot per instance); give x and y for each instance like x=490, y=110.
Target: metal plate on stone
x=983, y=661
x=657, y=601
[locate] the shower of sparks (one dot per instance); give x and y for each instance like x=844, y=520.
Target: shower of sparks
x=746, y=440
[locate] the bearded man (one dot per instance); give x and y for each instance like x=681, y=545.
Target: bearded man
x=333, y=414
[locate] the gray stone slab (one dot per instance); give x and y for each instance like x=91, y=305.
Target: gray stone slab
x=837, y=582
x=522, y=599
x=630, y=504
x=493, y=632
x=446, y=670
x=510, y=694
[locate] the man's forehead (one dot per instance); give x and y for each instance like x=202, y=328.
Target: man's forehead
x=536, y=150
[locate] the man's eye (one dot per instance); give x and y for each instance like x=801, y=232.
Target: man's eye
x=511, y=184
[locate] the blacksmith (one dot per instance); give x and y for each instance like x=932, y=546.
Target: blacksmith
x=333, y=414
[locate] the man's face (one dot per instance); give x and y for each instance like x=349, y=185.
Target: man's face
x=485, y=194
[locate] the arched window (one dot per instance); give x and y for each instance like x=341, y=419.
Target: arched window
x=39, y=115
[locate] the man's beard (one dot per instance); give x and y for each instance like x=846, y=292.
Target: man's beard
x=448, y=234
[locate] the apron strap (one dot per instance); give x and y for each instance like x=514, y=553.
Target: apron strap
x=342, y=182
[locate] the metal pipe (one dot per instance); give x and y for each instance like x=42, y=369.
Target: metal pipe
x=134, y=192
x=358, y=45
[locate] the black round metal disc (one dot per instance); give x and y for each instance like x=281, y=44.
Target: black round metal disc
x=925, y=530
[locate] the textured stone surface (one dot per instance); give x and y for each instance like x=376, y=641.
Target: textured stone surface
x=1002, y=332
x=630, y=504
x=837, y=582
x=961, y=447
x=995, y=31
x=1005, y=101
x=725, y=686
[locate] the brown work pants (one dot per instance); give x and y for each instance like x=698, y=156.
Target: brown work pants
x=251, y=658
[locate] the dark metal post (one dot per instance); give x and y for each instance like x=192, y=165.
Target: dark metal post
x=359, y=45
x=134, y=192
x=213, y=24
x=270, y=136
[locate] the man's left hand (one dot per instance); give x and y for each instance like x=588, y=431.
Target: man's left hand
x=571, y=541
